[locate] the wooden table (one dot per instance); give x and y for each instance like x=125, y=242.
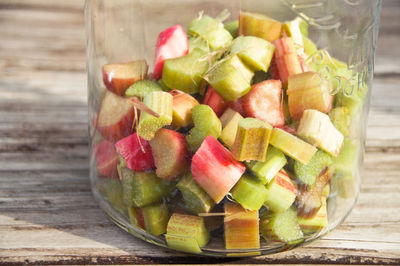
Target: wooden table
x=47, y=212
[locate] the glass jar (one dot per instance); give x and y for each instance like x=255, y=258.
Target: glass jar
x=173, y=161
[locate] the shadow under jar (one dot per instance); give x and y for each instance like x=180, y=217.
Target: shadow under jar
x=228, y=128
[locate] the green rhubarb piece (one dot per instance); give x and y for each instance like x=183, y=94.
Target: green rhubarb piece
x=155, y=218
x=249, y=192
x=281, y=193
x=141, y=88
x=229, y=121
x=143, y=188
x=316, y=223
x=163, y=86
x=196, y=200
x=255, y=52
x=186, y=233
x=206, y=123
x=233, y=28
x=186, y=73
x=254, y=24
x=211, y=31
x=161, y=103
x=230, y=78
x=308, y=173
x=341, y=119
x=267, y=169
x=282, y=227
x=292, y=146
x=309, y=46
x=182, y=106
x=112, y=189
x=197, y=42
x=252, y=139
x=296, y=29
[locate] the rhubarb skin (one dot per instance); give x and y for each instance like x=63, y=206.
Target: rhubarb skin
x=292, y=146
x=253, y=24
x=106, y=158
x=317, y=129
x=118, y=77
x=171, y=43
x=131, y=149
x=229, y=121
x=116, y=117
x=182, y=105
x=286, y=59
x=241, y=227
x=186, y=233
x=215, y=169
x=264, y=102
x=308, y=91
x=281, y=193
x=215, y=101
x=252, y=139
x=171, y=154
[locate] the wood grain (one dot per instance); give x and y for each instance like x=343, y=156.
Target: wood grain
x=47, y=212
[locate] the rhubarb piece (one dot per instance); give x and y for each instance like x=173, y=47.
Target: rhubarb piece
x=118, y=77
x=264, y=102
x=143, y=188
x=186, y=233
x=281, y=193
x=237, y=105
x=141, y=88
x=241, y=227
x=198, y=42
x=112, y=189
x=309, y=46
x=341, y=119
x=267, y=169
x=206, y=123
x=136, y=217
x=229, y=121
x=215, y=101
x=308, y=173
x=249, y=192
x=161, y=103
x=252, y=139
x=326, y=191
x=316, y=223
x=116, y=117
x=215, y=169
x=210, y=30
x=281, y=227
x=286, y=59
x=185, y=73
x=230, y=78
x=309, y=201
x=294, y=30
x=182, y=106
x=253, y=24
x=233, y=28
x=171, y=43
x=255, y=52
x=195, y=198
x=292, y=146
x=155, y=218
x=135, y=152
x=345, y=168
x=317, y=129
x=308, y=91
x=171, y=154
x=106, y=159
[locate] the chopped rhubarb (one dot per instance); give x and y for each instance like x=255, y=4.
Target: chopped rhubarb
x=286, y=59
x=215, y=101
x=229, y=121
x=118, y=77
x=237, y=105
x=171, y=43
x=281, y=193
x=215, y=169
x=106, y=158
x=182, y=106
x=171, y=153
x=253, y=24
x=136, y=152
x=155, y=218
x=264, y=102
x=249, y=192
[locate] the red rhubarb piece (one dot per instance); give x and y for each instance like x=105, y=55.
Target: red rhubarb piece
x=215, y=101
x=215, y=169
x=171, y=43
x=264, y=102
x=137, y=153
x=106, y=158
